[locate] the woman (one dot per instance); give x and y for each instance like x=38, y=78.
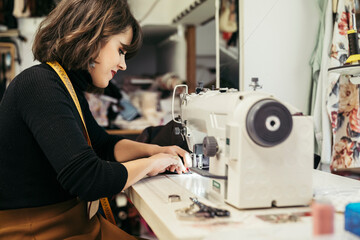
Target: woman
x=48, y=170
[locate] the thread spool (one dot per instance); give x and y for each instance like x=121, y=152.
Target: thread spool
x=354, y=56
x=353, y=42
x=323, y=218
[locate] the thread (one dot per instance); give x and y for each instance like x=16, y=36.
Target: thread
x=323, y=218
x=353, y=42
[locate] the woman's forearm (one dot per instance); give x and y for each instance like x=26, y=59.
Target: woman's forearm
x=136, y=170
x=126, y=150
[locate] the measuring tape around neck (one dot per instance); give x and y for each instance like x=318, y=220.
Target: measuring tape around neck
x=65, y=79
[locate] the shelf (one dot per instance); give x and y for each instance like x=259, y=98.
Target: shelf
x=352, y=70
x=346, y=69
x=124, y=132
x=229, y=52
x=154, y=34
x=199, y=12
x=10, y=33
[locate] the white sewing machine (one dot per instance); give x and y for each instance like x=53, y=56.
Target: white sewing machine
x=260, y=150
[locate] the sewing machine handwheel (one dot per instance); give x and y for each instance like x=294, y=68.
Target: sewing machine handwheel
x=268, y=123
x=210, y=146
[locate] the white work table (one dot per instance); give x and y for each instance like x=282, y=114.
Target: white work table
x=150, y=197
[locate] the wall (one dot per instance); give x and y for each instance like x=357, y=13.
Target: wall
x=163, y=12
x=170, y=52
x=171, y=55
x=142, y=62
x=159, y=57
x=277, y=41
x=205, y=54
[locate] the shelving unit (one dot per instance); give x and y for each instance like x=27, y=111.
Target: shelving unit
x=7, y=61
x=197, y=13
x=180, y=21
x=8, y=55
x=10, y=33
x=169, y=45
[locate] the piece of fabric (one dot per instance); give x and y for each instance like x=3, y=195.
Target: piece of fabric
x=67, y=220
x=44, y=156
x=163, y=136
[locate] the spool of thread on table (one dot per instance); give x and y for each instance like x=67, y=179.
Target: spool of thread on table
x=323, y=218
x=352, y=218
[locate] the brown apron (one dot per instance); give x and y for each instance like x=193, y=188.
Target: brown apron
x=67, y=220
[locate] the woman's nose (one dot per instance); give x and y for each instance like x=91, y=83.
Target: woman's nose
x=122, y=65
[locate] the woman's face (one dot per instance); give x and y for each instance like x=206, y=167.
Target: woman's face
x=111, y=59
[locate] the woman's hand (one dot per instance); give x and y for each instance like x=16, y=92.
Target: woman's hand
x=152, y=166
x=176, y=151
x=163, y=161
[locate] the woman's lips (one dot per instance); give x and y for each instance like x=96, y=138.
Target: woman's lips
x=113, y=73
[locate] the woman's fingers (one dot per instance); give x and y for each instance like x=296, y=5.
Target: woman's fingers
x=180, y=168
x=164, y=161
x=176, y=150
x=184, y=154
x=172, y=168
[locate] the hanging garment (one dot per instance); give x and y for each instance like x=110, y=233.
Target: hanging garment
x=343, y=96
x=320, y=63
x=316, y=57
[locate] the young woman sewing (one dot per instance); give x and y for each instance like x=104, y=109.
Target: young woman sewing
x=55, y=160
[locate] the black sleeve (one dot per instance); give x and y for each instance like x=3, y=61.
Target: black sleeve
x=49, y=112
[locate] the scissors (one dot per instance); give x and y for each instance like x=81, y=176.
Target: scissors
x=209, y=212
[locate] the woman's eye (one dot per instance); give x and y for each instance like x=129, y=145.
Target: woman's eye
x=121, y=52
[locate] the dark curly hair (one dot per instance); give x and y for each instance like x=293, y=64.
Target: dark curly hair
x=74, y=32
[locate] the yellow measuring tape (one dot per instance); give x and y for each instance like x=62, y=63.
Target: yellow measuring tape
x=65, y=79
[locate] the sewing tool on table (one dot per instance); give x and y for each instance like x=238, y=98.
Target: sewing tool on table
x=200, y=210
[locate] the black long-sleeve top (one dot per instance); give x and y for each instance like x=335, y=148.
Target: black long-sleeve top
x=44, y=155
